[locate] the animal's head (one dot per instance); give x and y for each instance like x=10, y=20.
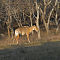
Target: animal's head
x=35, y=28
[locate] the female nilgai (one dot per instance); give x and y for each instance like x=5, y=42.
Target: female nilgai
x=24, y=30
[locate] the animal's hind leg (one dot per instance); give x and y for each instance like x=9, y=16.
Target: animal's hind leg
x=28, y=38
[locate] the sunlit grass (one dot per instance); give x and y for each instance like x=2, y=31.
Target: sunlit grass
x=14, y=45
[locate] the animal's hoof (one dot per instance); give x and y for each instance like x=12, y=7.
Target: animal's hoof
x=17, y=42
x=29, y=41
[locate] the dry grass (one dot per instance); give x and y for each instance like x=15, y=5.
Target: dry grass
x=47, y=48
x=6, y=42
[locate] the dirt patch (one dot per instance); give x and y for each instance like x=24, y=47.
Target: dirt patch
x=52, y=36
x=46, y=51
x=46, y=48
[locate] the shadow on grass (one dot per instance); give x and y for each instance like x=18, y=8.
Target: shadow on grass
x=47, y=51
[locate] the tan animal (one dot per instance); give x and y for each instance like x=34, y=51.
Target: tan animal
x=24, y=30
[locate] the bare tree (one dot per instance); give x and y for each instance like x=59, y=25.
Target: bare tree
x=37, y=19
x=43, y=12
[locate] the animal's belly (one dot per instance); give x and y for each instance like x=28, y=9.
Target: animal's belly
x=23, y=33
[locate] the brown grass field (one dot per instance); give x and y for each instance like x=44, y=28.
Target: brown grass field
x=46, y=48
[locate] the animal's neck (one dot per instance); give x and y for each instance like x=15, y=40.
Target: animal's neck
x=31, y=29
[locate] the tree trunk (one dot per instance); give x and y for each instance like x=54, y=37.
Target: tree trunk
x=56, y=23
x=8, y=32
x=31, y=17
x=37, y=22
x=31, y=20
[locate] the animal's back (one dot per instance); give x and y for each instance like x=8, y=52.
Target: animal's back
x=23, y=30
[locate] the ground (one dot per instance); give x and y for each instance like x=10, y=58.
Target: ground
x=46, y=48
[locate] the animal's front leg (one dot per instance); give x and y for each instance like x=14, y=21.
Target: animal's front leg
x=16, y=38
x=28, y=38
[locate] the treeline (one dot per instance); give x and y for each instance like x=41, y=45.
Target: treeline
x=17, y=13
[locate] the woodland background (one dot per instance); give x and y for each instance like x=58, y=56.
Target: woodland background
x=44, y=45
